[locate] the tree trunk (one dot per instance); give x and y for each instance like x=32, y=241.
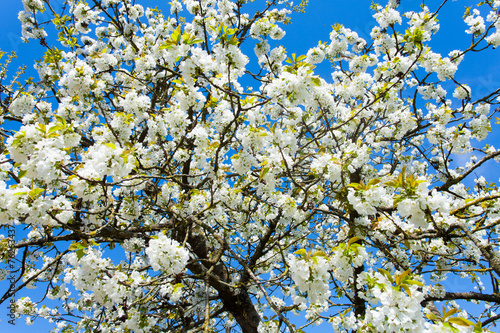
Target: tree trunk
x=235, y=300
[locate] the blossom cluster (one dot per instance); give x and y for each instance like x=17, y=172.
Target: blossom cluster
x=224, y=181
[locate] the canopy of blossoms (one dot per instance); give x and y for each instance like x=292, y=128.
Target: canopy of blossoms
x=166, y=187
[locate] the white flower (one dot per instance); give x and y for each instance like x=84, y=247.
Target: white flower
x=411, y=210
x=167, y=255
x=22, y=104
x=311, y=276
x=475, y=23
x=462, y=92
x=32, y=6
x=387, y=17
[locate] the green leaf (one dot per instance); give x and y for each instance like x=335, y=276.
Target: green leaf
x=35, y=193
x=450, y=312
x=55, y=128
x=73, y=246
x=356, y=186
x=418, y=283
x=176, y=35
x=450, y=327
x=407, y=289
x=401, y=276
x=194, y=41
x=373, y=182
x=461, y=321
x=165, y=45
x=392, y=183
x=386, y=274
x=316, y=81
x=353, y=240
x=80, y=253
x=78, y=245
x=21, y=174
x=264, y=172
x=301, y=252
x=432, y=316
x=315, y=260
x=319, y=253
x=42, y=128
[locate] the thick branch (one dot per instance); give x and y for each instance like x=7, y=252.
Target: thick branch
x=452, y=181
x=236, y=300
x=494, y=298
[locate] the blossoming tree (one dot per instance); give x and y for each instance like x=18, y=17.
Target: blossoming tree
x=168, y=188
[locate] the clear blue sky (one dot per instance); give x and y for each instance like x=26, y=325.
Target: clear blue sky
x=481, y=73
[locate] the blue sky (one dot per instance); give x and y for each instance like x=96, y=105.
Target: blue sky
x=479, y=71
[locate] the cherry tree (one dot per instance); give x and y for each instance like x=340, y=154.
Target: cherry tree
x=167, y=185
